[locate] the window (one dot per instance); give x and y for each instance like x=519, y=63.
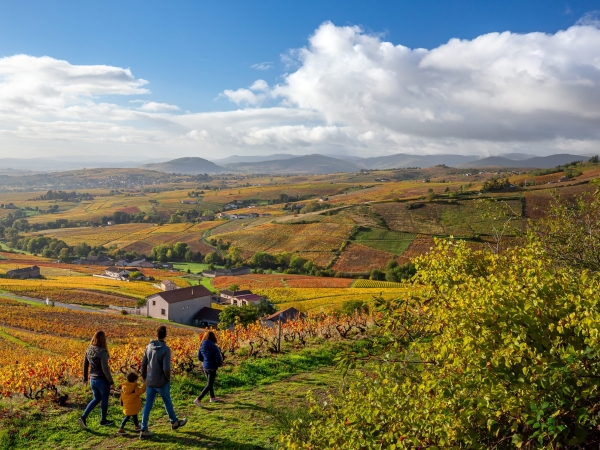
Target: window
x=153, y=302
x=163, y=312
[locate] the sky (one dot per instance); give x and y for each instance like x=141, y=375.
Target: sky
x=150, y=79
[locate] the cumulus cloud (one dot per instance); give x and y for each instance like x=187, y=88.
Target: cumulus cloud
x=262, y=66
x=348, y=91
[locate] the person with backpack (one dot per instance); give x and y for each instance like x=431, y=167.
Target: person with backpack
x=211, y=357
x=131, y=401
x=95, y=367
x=156, y=373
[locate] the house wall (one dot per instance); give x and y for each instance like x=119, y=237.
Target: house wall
x=180, y=312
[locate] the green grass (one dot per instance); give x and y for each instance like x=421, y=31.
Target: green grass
x=387, y=241
x=206, y=282
x=194, y=267
x=261, y=396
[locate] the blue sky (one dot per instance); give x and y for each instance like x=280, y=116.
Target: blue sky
x=191, y=52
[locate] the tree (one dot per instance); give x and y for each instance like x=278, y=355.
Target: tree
x=376, y=274
x=265, y=308
x=244, y=315
x=212, y=258
x=263, y=260
x=234, y=287
x=570, y=233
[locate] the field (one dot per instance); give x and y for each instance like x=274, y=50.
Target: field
x=325, y=299
x=449, y=218
x=387, y=241
x=315, y=241
x=357, y=258
x=264, y=281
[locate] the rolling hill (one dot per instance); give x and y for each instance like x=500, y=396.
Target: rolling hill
x=192, y=165
x=309, y=164
x=538, y=162
x=235, y=159
x=403, y=160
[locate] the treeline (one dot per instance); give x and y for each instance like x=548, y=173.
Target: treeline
x=64, y=196
x=179, y=251
x=53, y=248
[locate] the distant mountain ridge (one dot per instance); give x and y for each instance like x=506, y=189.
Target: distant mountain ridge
x=401, y=160
x=236, y=159
x=308, y=164
x=190, y=166
x=537, y=162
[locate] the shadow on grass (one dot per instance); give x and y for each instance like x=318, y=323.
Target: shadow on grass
x=197, y=439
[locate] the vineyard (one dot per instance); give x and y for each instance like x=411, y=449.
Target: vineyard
x=264, y=281
x=41, y=347
x=357, y=258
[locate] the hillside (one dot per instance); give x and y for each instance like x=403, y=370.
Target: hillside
x=190, y=165
x=236, y=159
x=309, y=164
x=538, y=162
x=401, y=160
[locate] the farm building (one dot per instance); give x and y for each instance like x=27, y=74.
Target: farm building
x=24, y=273
x=117, y=273
x=227, y=272
x=179, y=305
x=95, y=261
x=207, y=317
x=282, y=316
x=167, y=285
x=140, y=262
x=240, y=298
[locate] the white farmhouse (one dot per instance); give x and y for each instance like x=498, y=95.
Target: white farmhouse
x=179, y=305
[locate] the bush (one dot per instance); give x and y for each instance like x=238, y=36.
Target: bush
x=493, y=351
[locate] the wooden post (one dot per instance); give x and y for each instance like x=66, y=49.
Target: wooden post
x=279, y=335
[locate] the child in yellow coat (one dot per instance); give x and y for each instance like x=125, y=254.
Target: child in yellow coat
x=131, y=401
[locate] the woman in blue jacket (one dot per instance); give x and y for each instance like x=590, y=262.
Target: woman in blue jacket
x=211, y=357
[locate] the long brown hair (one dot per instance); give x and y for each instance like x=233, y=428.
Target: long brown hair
x=210, y=336
x=99, y=339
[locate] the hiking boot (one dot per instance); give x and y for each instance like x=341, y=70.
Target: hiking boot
x=107, y=423
x=122, y=432
x=178, y=424
x=82, y=423
x=198, y=402
x=145, y=434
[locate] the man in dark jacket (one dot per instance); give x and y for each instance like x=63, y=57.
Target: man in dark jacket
x=156, y=372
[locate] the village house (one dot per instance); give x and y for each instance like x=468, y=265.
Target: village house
x=8, y=206
x=140, y=262
x=179, y=305
x=206, y=218
x=167, y=285
x=117, y=273
x=227, y=295
x=189, y=202
x=95, y=261
x=282, y=316
x=110, y=222
x=24, y=273
x=240, y=298
x=244, y=270
x=207, y=317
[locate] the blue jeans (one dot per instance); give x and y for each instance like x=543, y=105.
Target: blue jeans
x=101, y=391
x=165, y=394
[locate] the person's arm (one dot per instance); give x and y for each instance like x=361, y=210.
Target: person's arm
x=167, y=364
x=144, y=366
x=200, y=357
x=218, y=356
x=86, y=368
x=106, y=368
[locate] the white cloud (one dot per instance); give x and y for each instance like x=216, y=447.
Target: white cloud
x=348, y=91
x=157, y=107
x=262, y=66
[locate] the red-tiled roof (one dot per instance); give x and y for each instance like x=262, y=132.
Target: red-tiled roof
x=181, y=295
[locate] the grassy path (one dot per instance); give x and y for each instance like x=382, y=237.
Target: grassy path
x=249, y=419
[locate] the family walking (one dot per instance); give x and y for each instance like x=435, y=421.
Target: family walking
x=156, y=380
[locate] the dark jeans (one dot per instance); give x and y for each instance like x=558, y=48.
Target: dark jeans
x=101, y=391
x=136, y=422
x=210, y=378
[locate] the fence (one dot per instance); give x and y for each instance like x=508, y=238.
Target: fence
x=135, y=311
